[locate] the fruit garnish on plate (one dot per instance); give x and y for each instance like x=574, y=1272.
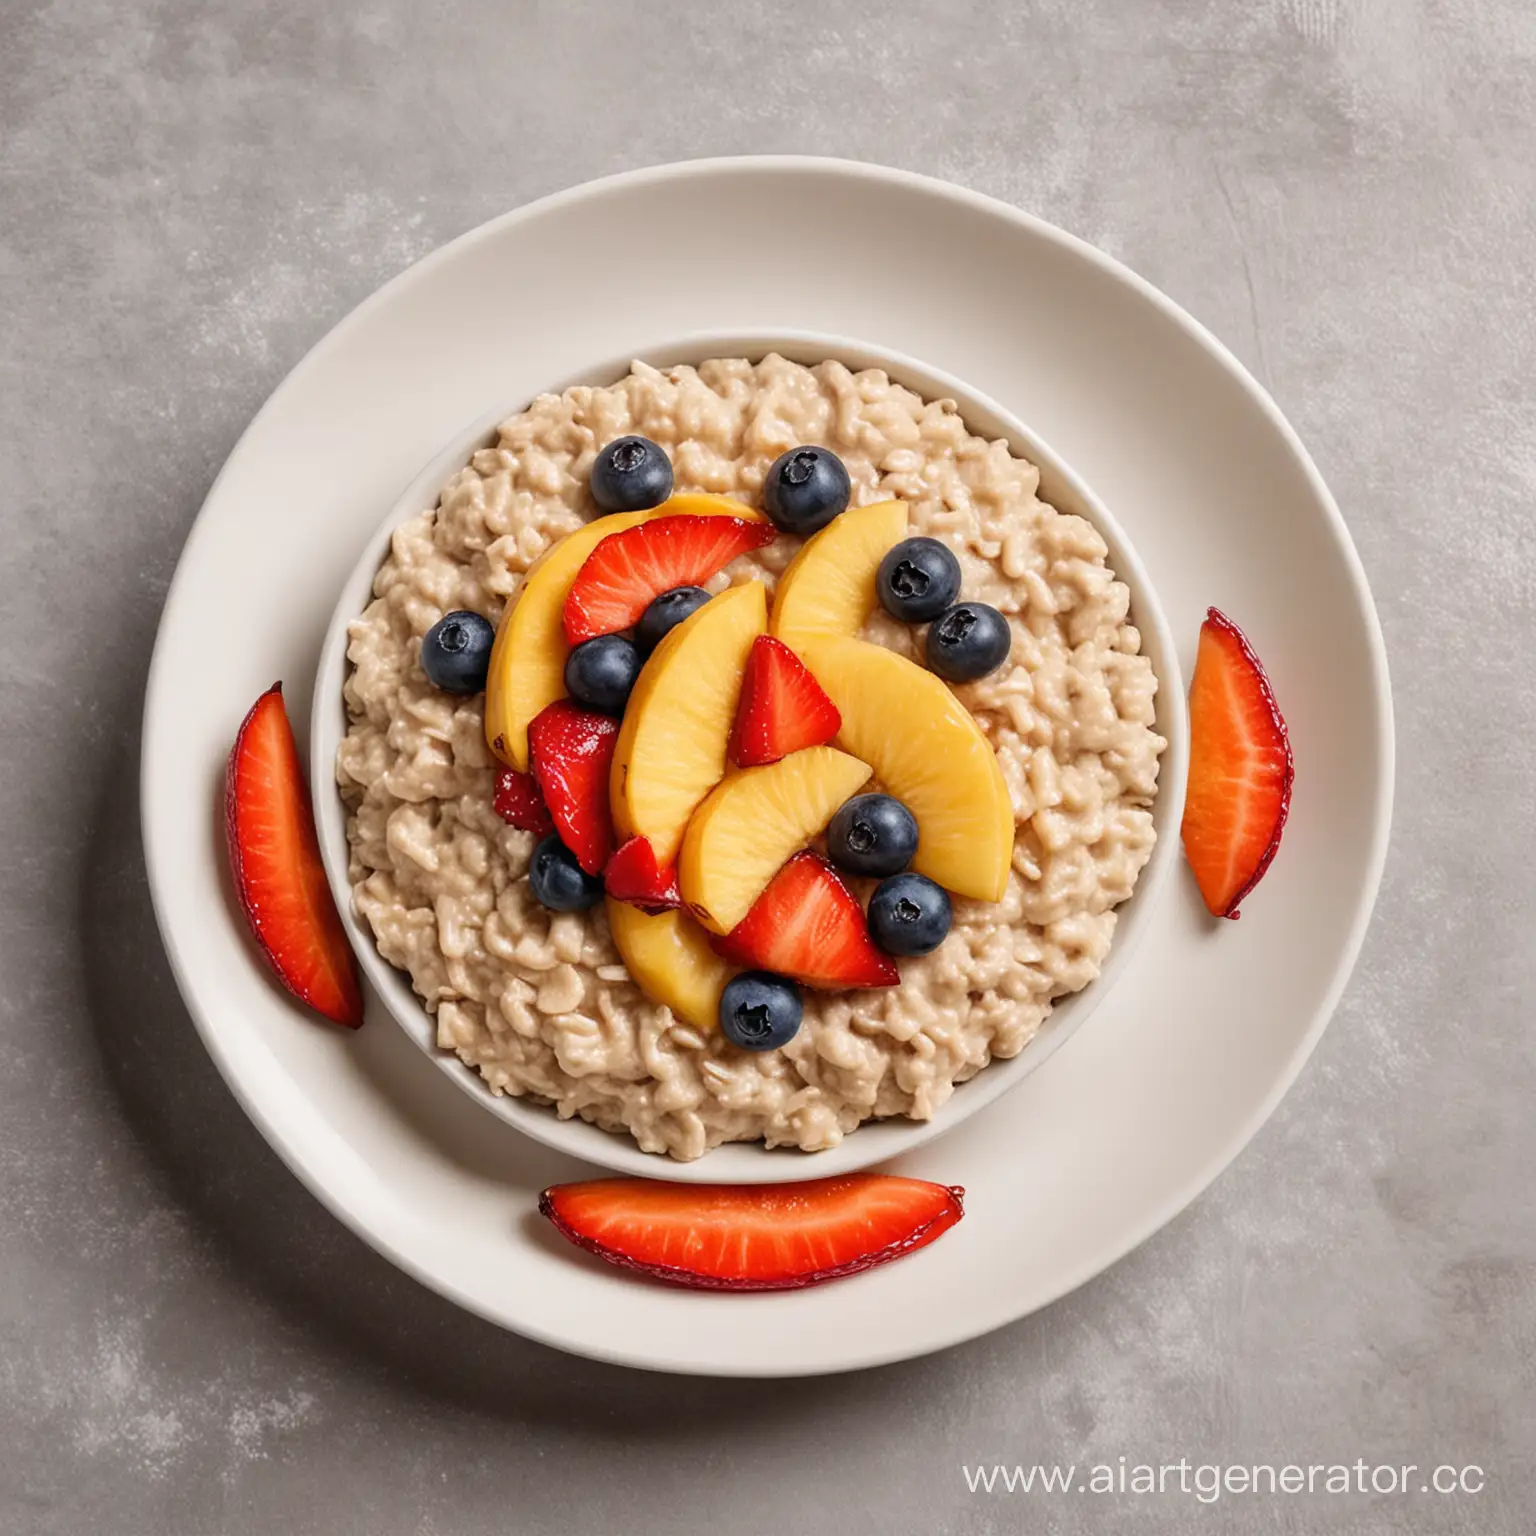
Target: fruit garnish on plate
x=572, y=751
x=928, y=751
x=783, y=708
x=750, y=824
x=677, y=723
x=518, y=802
x=274, y=856
x=761, y=1237
x=1240, y=768
x=625, y=573
x=829, y=587
x=634, y=875
x=668, y=956
x=809, y=926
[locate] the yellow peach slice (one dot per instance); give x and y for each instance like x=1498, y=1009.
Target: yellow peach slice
x=927, y=750
x=669, y=957
x=527, y=668
x=752, y=821
x=829, y=587
x=677, y=725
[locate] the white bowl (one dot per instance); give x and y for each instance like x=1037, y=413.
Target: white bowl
x=874, y=1142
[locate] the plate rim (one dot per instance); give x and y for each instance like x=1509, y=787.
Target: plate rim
x=1158, y=1216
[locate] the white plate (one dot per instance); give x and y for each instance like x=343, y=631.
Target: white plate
x=1211, y=1022
x=746, y=1163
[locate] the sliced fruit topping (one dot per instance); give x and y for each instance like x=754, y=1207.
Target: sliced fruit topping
x=752, y=821
x=456, y=652
x=918, y=580
x=872, y=835
x=275, y=858
x=668, y=956
x=630, y=473
x=572, y=752
x=528, y=659
x=633, y=875
x=671, y=750
x=519, y=802
x=760, y=1011
x=808, y=925
x=601, y=673
x=558, y=880
x=783, y=708
x=1240, y=768
x=753, y=1237
x=626, y=572
x=927, y=750
x=909, y=915
x=805, y=489
x=665, y=613
x=968, y=641
x=829, y=587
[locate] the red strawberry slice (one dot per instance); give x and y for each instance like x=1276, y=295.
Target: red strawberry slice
x=628, y=570
x=783, y=708
x=633, y=875
x=807, y=924
x=1240, y=768
x=753, y=1237
x=571, y=750
x=519, y=803
x=275, y=857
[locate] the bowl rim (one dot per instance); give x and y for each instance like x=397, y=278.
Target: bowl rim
x=876, y=1142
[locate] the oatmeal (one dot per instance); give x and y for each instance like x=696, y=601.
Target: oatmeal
x=538, y=1001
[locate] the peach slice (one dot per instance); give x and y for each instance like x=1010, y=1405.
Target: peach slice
x=527, y=669
x=669, y=957
x=927, y=750
x=753, y=820
x=672, y=745
x=829, y=587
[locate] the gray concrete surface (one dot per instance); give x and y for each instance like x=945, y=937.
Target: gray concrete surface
x=191, y=194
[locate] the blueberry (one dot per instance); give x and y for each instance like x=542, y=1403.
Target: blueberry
x=909, y=915
x=558, y=881
x=666, y=612
x=759, y=1011
x=600, y=673
x=918, y=580
x=456, y=652
x=805, y=489
x=630, y=474
x=872, y=835
x=968, y=641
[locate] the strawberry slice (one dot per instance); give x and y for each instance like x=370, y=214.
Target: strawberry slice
x=275, y=858
x=627, y=570
x=807, y=924
x=782, y=709
x=571, y=750
x=519, y=803
x=753, y=1237
x=1240, y=768
x=633, y=875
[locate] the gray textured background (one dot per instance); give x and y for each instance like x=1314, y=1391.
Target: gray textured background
x=191, y=194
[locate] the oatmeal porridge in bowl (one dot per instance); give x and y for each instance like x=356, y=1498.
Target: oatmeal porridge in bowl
x=739, y=756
